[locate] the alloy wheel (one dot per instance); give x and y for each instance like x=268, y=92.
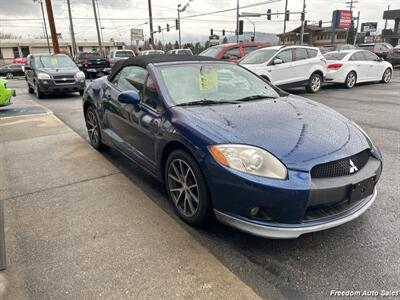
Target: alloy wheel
x=93, y=128
x=351, y=80
x=316, y=83
x=183, y=187
x=387, y=75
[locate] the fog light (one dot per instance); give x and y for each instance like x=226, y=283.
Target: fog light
x=254, y=211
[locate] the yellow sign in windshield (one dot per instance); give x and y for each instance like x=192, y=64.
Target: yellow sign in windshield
x=208, y=79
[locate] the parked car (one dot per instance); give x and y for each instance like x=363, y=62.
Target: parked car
x=380, y=49
x=180, y=52
x=336, y=47
x=394, y=56
x=92, y=64
x=151, y=52
x=5, y=93
x=225, y=142
x=19, y=61
x=288, y=66
x=52, y=74
x=9, y=71
x=234, y=51
x=116, y=55
x=349, y=67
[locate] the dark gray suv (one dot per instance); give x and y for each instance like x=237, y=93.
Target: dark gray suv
x=53, y=74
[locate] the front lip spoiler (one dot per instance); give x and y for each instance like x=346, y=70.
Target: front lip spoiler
x=292, y=231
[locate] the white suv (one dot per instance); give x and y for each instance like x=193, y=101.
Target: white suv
x=116, y=55
x=288, y=66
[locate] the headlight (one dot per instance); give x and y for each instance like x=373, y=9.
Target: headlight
x=80, y=75
x=249, y=159
x=43, y=76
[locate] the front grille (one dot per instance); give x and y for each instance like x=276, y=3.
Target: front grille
x=59, y=79
x=341, y=167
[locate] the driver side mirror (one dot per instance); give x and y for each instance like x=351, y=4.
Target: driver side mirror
x=277, y=61
x=379, y=59
x=129, y=97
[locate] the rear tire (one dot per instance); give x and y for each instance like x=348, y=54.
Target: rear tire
x=314, y=83
x=351, y=80
x=387, y=76
x=93, y=127
x=187, y=189
x=9, y=75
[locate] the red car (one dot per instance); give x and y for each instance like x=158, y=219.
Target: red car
x=19, y=61
x=233, y=51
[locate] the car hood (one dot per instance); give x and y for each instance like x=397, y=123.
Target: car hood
x=60, y=71
x=300, y=132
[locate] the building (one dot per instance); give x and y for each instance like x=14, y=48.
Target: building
x=392, y=36
x=11, y=49
x=314, y=36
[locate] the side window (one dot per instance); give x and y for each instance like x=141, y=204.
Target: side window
x=150, y=96
x=301, y=53
x=248, y=49
x=369, y=56
x=233, y=53
x=312, y=53
x=357, y=56
x=130, y=78
x=286, y=56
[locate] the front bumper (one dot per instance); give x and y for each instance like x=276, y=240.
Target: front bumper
x=50, y=87
x=291, y=231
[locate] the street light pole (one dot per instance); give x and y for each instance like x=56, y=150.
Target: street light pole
x=71, y=25
x=254, y=28
x=151, y=24
x=237, y=21
x=45, y=26
x=302, y=22
x=97, y=26
x=284, y=23
x=179, y=21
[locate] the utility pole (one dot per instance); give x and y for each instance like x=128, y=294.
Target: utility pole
x=49, y=8
x=350, y=5
x=284, y=23
x=386, y=18
x=151, y=25
x=358, y=23
x=97, y=26
x=101, y=28
x=71, y=26
x=302, y=22
x=237, y=21
x=179, y=21
x=44, y=25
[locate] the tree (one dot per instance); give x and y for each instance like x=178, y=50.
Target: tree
x=168, y=46
x=160, y=45
x=225, y=40
x=176, y=45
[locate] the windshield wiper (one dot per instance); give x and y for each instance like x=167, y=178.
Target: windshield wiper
x=208, y=102
x=255, y=97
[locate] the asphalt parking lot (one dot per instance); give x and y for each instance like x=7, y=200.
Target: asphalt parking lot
x=360, y=255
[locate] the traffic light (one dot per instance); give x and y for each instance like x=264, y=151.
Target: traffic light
x=241, y=27
x=167, y=27
x=223, y=32
x=302, y=16
x=211, y=32
x=177, y=24
x=320, y=23
x=269, y=14
x=287, y=14
x=150, y=41
x=159, y=29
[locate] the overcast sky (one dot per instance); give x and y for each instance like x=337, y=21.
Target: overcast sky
x=23, y=17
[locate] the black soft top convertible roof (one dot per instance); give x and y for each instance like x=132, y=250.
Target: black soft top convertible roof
x=143, y=61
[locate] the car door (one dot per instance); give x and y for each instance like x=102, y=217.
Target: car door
x=358, y=63
x=281, y=74
x=375, y=67
x=302, y=65
x=29, y=72
x=16, y=70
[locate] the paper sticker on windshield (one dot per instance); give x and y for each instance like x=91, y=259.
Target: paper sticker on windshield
x=53, y=61
x=208, y=79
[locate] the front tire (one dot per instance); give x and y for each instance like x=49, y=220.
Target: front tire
x=38, y=92
x=30, y=89
x=93, y=128
x=9, y=76
x=387, y=76
x=81, y=93
x=314, y=83
x=187, y=189
x=351, y=80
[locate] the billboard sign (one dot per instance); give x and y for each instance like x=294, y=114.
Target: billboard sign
x=342, y=18
x=369, y=27
x=137, y=34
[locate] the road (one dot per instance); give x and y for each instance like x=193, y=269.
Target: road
x=360, y=255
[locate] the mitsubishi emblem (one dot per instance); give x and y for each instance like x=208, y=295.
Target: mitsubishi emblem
x=353, y=167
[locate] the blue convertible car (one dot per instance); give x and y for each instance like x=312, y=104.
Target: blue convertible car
x=226, y=143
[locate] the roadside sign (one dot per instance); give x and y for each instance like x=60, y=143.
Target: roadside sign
x=369, y=27
x=214, y=42
x=342, y=18
x=137, y=34
x=94, y=48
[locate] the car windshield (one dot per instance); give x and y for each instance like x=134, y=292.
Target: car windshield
x=335, y=55
x=123, y=54
x=211, y=52
x=93, y=55
x=185, y=51
x=259, y=56
x=211, y=83
x=366, y=47
x=54, y=61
